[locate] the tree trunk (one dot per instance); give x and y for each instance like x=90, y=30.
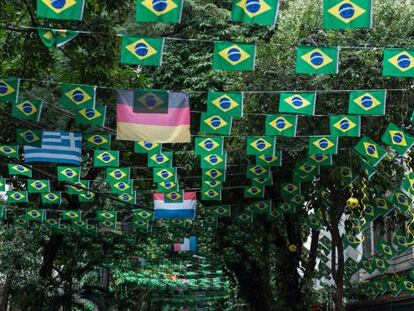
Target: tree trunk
x=338, y=268
x=6, y=294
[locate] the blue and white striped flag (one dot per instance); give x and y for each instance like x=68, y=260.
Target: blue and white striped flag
x=57, y=147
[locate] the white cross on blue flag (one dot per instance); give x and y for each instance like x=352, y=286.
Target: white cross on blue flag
x=57, y=147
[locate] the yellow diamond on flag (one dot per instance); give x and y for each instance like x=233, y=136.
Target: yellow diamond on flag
x=323, y=143
x=398, y=138
x=6, y=89
x=371, y=150
x=346, y=11
x=78, y=96
x=260, y=144
x=280, y=123
x=90, y=114
x=59, y=6
x=27, y=108
x=225, y=103
x=234, y=54
x=158, y=10
x=367, y=101
x=320, y=56
x=404, y=61
x=254, y=8
x=344, y=125
x=297, y=102
x=141, y=49
x=215, y=122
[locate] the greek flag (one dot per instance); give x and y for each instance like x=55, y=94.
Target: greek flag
x=57, y=147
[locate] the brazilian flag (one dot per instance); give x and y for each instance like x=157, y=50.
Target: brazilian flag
x=345, y=14
x=38, y=185
x=225, y=103
x=89, y=116
x=327, y=145
x=73, y=215
x=274, y=160
x=147, y=147
x=341, y=125
x=104, y=158
x=397, y=139
x=262, y=12
x=164, y=11
x=253, y=192
x=215, y=123
x=370, y=151
x=142, y=51
x=142, y=214
x=9, y=90
x=9, y=151
x=207, y=145
x=229, y=56
x=261, y=145
x=317, y=60
x=78, y=96
x=282, y=124
x=55, y=37
x=367, y=102
x=60, y=9
x=97, y=141
x=398, y=63
x=70, y=174
x=28, y=137
x=163, y=159
x=27, y=109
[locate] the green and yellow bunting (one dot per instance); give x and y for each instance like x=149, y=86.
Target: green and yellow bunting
x=174, y=197
x=214, y=173
x=326, y=145
x=54, y=197
x=219, y=211
x=86, y=197
x=142, y=214
x=281, y=125
x=212, y=184
x=168, y=11
x=9, y=90
x=38, y=185
x=78, y=96
x=366, y=265
x=381, y=206
x=270, y=160
x=167, y=186
x=398, y=63
x=122, y=187
x=367, y=102
x=142, y=51
x=298, y=103
x=345, y=126
x=140, y=225
x=72, y=215
x=407, y=184
x=27, y=137
x=387, y=250
x=27, y=109
x=253, y=192
x=78, y=187
x=256, y=171
x=97, y=141
x=370, y=151
x=9, y=151
x=210, y=195
x=261, y=145
x=17, y=169
x=317, y=60
x=163, y=159
x=65, y=10
x=212, y=123
x=289, y=190
x=225, y=103
x=161, y=174
x=218, y=161
x=16, y=197
x=147, y=147
x=397, y=139
x=128, y=198
x=115, y=175
x=345, y=14
x=104, y=158
x=55, y=37
x=35, y=214
x=368, y=169
x=207, y=145
x=319, y=159
x=244, y=218
x=262, y=12
x=229, y=56
x=89, y=116
x=70, y=174
x=380, y=264
x=262, y=181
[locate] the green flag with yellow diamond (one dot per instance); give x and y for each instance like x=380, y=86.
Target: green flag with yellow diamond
x=142, y=214
x=298, y=103
x=161, y=174
x=323, y=145
x=70, y=174
x=317, y=60
x=78, y=96
x=9, y=90
x=261, y=145
x=27, y=109
x=88, y=116
x=35, y=214
x=55, y=37
x=225, y=103
x=60, y=9
x=104, y=158
x=97, y=141
x=9, y=151
x=370, y=151
x=367, y=102
x=262, y=12
x=253, y=192
x=319, y=159
x=17, y=169
x=78, y=187
x=398, y=63
x=210, y=195
x=164, y=11
x=72, y=215
x=54, y=197
x=212, y=123
x=167, y=186
x=122, y=187
x=142, y=51
x=147, y=147
x=387, y=250
x=16, y=197
x=229, y=56
x=38, y=185
x=218, y=161
x=345, y=126
x=219, y=211
x=345, y=14
x=274, y=160
x=27, y=137
x=214, y=173
x=207, y=145
x=114, y=175
x=397, y=139
x=164, y=159
x=281, y=125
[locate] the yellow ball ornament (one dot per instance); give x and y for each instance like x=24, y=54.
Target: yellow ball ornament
x=292, y=248
x=352, y=203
